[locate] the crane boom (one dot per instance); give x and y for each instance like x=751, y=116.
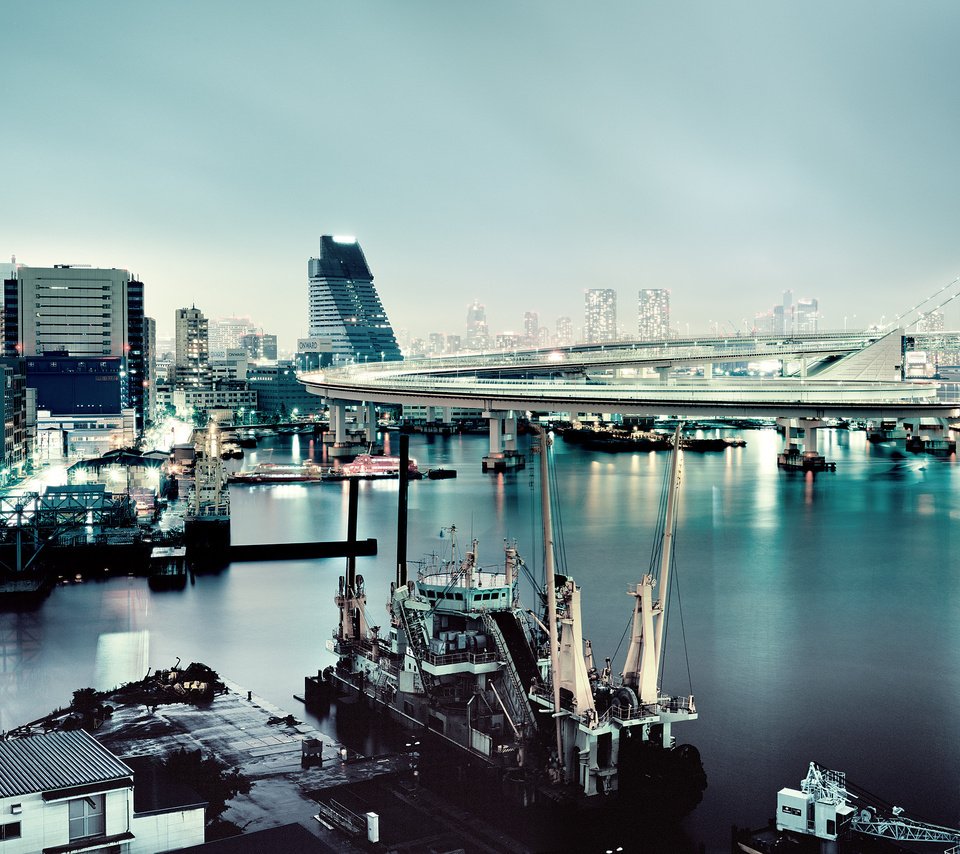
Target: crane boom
x=824, y=807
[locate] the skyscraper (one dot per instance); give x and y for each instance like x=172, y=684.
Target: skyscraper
x=344, y=306
x=564, y=332
x=81, y=312
x=806, y=315
x=600, y=320
x=653, y=314
x=478, y=335
x=192, y=364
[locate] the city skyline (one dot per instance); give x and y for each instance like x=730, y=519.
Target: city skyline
x=720, y=154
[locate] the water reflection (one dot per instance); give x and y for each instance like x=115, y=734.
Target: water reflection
x=814, y=609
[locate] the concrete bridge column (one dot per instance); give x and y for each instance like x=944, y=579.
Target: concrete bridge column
x=495, y=421
x=708, y=371
x=340, y=430
x=370, y=419
x=445, y=414
x=510, y=432
x=503, y=454
x=663, y=373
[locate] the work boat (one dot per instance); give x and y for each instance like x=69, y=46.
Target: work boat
x=462, y=657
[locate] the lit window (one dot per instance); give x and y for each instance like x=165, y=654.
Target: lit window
x=87, y=817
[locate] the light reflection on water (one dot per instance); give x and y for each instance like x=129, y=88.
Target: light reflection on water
x=822, y=613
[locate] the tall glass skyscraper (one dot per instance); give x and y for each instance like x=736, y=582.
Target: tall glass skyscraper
x=478, y=335
x=345, y=309
x=600, y=315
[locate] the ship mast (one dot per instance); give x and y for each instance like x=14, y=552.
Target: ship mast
x=641, y=670
x=551, y=594
x=666, y=552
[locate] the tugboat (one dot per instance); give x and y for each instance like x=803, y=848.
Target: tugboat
x=461, y=657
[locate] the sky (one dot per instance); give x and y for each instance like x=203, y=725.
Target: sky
x=511, y=152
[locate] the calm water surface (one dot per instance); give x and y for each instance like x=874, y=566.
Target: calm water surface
x=821, y=613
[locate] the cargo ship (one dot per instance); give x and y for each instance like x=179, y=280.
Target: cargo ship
x=461, y=659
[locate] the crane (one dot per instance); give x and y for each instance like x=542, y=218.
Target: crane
x=827, y=808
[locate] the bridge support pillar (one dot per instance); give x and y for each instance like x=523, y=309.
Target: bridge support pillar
x=503, y=454
x=708, y=371
x=343, y=445
x=801, y=452
x=370, y=422
x=663, y=373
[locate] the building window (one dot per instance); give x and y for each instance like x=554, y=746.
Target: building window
x=10, y=830
x=87, y=817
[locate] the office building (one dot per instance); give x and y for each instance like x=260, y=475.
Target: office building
x=150, y=369
x=344, y=306
x=806, y=316
x=600, y=315
x=259, y=347
x=225, y=332
x=478, y=334
x=82, y=312
x=192, y=368
x=653, y=314
x=279, y=393
x=564, y=332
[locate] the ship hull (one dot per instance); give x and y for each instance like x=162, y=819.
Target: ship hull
x=207, y=540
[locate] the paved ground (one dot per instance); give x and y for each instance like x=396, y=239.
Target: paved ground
x=238, y=732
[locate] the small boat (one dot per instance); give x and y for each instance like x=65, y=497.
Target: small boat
x=168, y=568
x=441, y=474
x=711, y=444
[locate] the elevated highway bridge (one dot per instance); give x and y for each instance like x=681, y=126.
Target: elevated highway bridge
x=848, y=375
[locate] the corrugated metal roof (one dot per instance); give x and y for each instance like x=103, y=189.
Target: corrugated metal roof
x=56, y=760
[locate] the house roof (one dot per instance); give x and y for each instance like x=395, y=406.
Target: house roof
x=56, y=760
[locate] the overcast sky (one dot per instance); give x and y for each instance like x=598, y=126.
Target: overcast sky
x=511, y=152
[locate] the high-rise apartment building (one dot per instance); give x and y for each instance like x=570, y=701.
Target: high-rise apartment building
x=80, y=313
x=932, y=321
x=564, y=332
x=600, y=315
x=653, y=314
x=192, y=360
x=478, y=334
x=344, y=306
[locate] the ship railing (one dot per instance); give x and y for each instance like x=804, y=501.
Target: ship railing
x=677, y=704
x=460, y=657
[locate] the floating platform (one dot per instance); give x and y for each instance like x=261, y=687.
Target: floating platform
x=505, y=461
x=797, y=461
